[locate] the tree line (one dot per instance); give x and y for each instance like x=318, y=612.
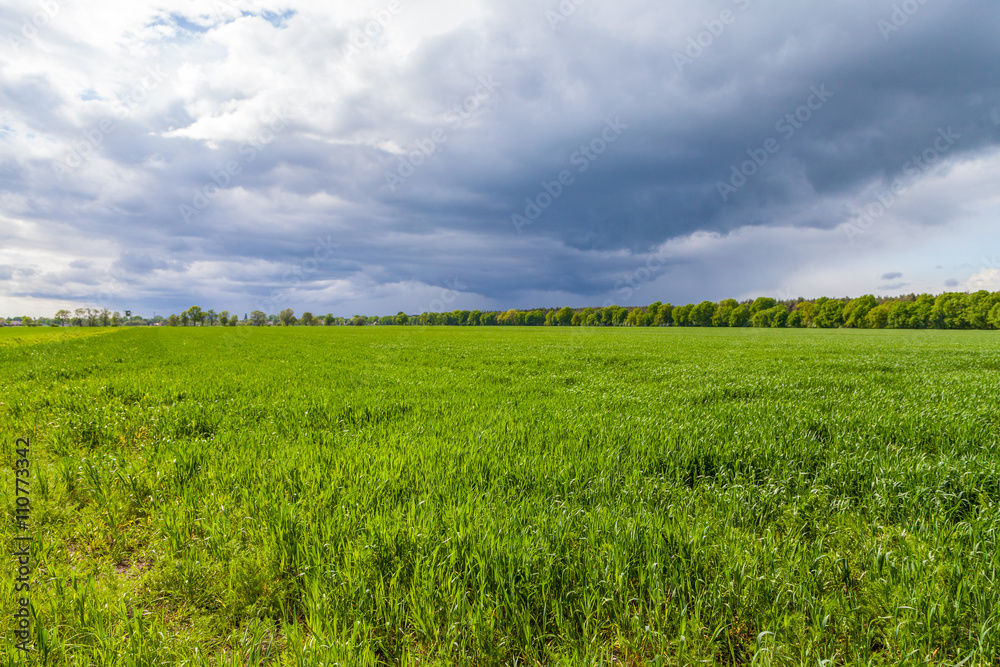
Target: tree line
x=951, y=310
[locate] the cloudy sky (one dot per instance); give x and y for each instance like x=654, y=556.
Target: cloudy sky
x=376, y=156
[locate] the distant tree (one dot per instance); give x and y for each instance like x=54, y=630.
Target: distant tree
x=702, y=314
x=224, y=318
x=682, y=315
x=725, y=312
x=856, y=311
x=740, y=317
x=233, y=320
x=196, y=315
x=307, y=319
x=563, y=317
x=105, y=317
x=994, y=317
x=185, y=318
x=328, y=320
x=664, y=315
x=762, y=303
x=779, y=316
x=949, y=311
x=978, y=308
x=536, y=318
x=796, y=320
x=116, y=319
x=359, y=320
x=211, y=317
x=173, y=321
x=258, y=318
x=27, y=321
x=878, y=317
x=637, y=317
x=585, y=318
x=488, y=319
x=829, y=313
x=287, y=317
x=62, y=316
x=807, y=308
x=776, y=316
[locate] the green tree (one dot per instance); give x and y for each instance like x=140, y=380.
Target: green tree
x=536, y=318
x=195, y=314
x=564, y=317
x=994, y=317
x=725, y=312
x=359, y=321
x=62, y=316
x=116, y=319
x=328, y=320
x=702, y=314
x=740, y=317
x=949, y=311
x=856, y=311
x=978, y=308
x=682, y=315
x=829, y=313
x=172, y=321
x=775, y=316
x=402, y=318
x=258, y=318
x=287, y=317
x=307, y=319
x=762, y=303
x=664, y=315
x=879, y=316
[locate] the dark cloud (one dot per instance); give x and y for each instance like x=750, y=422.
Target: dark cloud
x=818, y=106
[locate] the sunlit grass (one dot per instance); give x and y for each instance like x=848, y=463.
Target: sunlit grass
x=414, y=495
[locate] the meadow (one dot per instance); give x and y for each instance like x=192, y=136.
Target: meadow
x=506, y=496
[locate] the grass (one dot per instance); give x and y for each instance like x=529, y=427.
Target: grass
x=538, y=496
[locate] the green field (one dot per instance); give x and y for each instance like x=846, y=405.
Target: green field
x=500, y=496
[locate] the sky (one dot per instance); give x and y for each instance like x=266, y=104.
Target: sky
x=380, y=156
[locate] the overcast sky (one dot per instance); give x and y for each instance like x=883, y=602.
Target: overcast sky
x=370, y=157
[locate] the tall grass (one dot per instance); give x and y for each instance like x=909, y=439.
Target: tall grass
x=509, y=496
